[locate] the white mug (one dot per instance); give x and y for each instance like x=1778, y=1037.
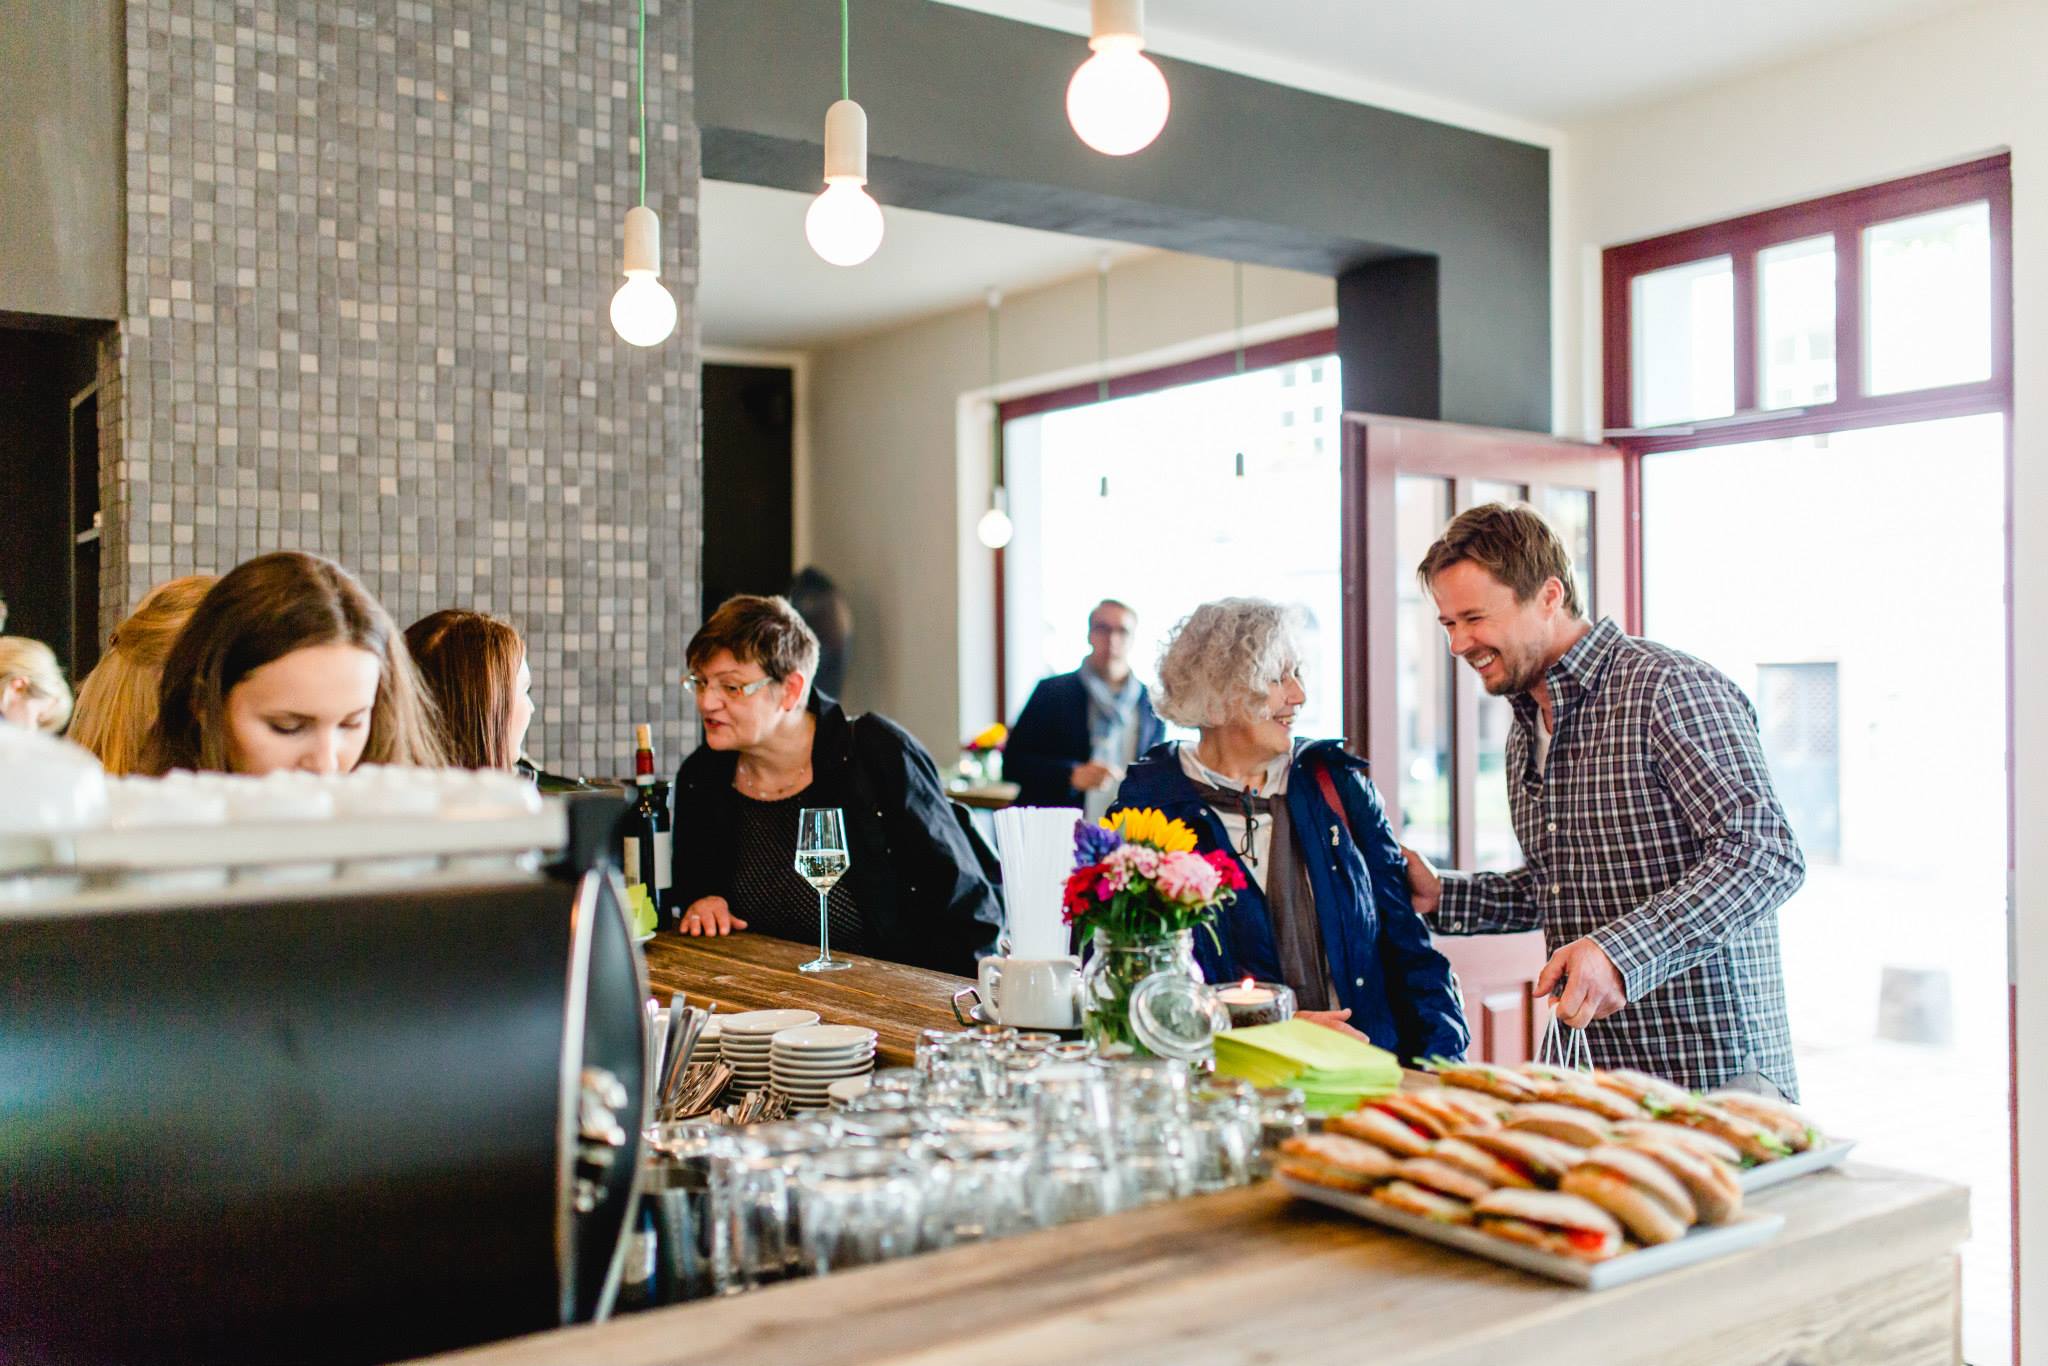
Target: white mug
x=1032, y=993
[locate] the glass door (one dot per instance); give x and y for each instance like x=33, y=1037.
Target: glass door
x=1437, y=741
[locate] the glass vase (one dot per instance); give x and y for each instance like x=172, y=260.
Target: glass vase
x=1114, y=972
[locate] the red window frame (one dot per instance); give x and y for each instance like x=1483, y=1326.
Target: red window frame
x=1281, y=351
x=1844, y=217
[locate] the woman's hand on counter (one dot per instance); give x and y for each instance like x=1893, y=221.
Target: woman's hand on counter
x=710, y=915
x=1332, y=1019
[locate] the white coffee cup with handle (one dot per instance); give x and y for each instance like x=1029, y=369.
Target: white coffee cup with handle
x=1032, y=993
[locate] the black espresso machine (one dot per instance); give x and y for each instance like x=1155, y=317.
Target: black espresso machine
x=345, y=1092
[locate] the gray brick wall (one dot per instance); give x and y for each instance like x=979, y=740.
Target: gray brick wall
x=370, y=251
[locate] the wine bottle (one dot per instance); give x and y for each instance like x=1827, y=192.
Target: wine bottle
x=648, y=835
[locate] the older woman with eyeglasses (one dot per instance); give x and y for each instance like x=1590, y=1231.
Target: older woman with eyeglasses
x=918, y=886
x=1325, y=906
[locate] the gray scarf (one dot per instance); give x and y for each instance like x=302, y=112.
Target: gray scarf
x=1290, y=901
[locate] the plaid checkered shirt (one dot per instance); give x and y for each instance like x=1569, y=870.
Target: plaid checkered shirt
x=1654, y=832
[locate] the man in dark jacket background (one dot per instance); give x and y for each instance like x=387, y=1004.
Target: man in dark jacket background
x=1081, y=730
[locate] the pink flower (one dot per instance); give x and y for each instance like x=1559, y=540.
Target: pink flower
x=1188, y=877
x=1132, y=860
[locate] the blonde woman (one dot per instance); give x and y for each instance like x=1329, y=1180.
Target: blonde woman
x=33, y=693
x=117, y=701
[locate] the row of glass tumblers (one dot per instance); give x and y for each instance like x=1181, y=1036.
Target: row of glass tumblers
x=980, y=1141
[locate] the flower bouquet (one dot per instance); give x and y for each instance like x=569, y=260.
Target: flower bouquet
x=981, y=757
x=1141, y=891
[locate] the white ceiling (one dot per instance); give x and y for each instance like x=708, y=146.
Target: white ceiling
x=1518, y=68
x=1542, y=62
x=760, y=286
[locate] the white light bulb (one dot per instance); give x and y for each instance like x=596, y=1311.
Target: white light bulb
x=1118, y=100
x=995, y=529
x=643, y=313
x=844, y=224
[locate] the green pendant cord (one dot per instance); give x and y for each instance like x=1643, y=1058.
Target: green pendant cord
x=642, y=68
x=845, y=52
x=995, y=408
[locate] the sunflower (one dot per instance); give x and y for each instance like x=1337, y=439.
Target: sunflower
x=1151, y=827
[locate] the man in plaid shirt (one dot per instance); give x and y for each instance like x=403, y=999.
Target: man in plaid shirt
x=1656, y=855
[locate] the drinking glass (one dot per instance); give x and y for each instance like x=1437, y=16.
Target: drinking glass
x=980, y=1184
x=1223, y=1136
x=1151, y=1106
x=1282, y=1116
x=860, y=1206
x=1073, y=1174
x=684, y=1182
x=760, y=1197
x=821, y=860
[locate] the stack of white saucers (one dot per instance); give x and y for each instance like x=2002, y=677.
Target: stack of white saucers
x=804, y=1062
x=743, y=1042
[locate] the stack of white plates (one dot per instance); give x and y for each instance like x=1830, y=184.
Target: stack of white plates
x=803, y=1063
x=743, y=1042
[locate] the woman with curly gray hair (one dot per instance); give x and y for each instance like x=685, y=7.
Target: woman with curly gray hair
x=1325, y=906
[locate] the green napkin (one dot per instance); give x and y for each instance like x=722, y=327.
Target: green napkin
x=645, y=918
x=1332, y=1070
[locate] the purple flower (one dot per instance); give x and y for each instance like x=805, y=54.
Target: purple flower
x=1092, y=843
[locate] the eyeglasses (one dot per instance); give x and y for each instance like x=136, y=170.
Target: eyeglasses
x=732, y=692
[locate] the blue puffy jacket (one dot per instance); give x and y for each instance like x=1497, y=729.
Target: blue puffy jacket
x=1398, y=987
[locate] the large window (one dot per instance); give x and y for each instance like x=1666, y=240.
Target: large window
x=1167, y=499
x=1816, y=406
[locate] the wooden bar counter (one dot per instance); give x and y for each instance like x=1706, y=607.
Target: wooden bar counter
x=1865, y=1271
x=759, y=972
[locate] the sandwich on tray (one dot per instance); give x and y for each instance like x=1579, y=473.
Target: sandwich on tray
x=1637, y=1190
x=1695, y=1140
x=1562, y=1225
x=1377, y=1125
x=1715, y=1192
x=1542, y=1161
x=1652, y=1093
x=1787, y=1122
x=1489, y=1079
x=1753, y=1140
x=1473, y=1160
x=1333, y=1160
x=1567, y=1123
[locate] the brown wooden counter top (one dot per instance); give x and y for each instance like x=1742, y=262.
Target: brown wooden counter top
x=759, y=972
x=1865, y=1271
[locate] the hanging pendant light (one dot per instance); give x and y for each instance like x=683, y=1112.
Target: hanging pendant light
x=844, y=224
x=995, y=528
x=1117, y=100
x=643, y=313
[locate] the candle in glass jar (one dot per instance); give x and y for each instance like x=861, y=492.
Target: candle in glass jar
x=1245, y=993
x=1257, y=1003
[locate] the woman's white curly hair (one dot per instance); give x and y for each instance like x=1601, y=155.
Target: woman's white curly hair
x=1221, y=659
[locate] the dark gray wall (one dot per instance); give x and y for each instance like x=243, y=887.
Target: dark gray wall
x=370, y=259
x=967, y=116
x=61, y=90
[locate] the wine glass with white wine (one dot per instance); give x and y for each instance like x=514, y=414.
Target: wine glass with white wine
x=821, y=860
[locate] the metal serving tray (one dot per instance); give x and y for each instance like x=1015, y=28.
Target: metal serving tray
x=1701, y=1245
x=1777, y=1173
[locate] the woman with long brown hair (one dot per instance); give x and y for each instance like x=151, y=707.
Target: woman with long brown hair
x=117, y=702
x=289, y=663
x=474, y=667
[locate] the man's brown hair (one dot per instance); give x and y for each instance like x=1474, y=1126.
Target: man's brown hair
x=1510, y=541
x=767, y=632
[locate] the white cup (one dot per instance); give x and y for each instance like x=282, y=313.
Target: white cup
x=1032, y=993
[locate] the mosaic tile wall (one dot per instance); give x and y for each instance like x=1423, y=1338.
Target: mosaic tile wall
x=371, y=247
